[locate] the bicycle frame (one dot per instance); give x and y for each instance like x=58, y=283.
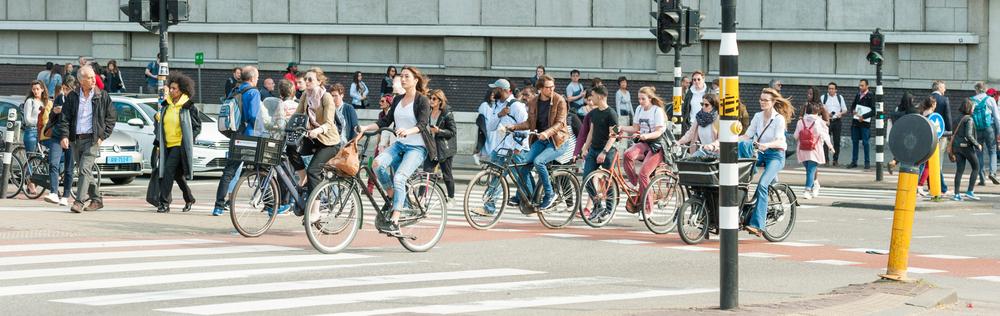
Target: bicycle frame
x=508, y=172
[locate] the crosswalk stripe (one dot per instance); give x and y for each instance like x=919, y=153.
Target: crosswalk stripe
x=104, y=244
x=834, y=262
x=168, y=279
x=386, y=295
x=163, y=265
x=497, y=305
x=291, y=286
x=9, y=261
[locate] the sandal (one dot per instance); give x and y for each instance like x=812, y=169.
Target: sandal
x=753, y=231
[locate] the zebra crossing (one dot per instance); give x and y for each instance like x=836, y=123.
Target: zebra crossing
x=216, y=277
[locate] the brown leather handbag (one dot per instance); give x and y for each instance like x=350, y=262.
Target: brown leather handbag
x=346, y=162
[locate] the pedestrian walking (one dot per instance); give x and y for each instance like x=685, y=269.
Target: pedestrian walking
x=291, y=73
x=987, y=120
x=445, y=131
x=836, y=107
x=269, y=90
x=178, y=123
x=233, y=81
x=862, y=111
x=813, y=135
x=775, y=84
x=88, y=119
x=938, y=89
x=114, y=80
x=963, y=149
x=623, y=100
x=51, y=77
x=60, y=161
x=692, y=99
x=152, y=70
x=926, y=108
x=250, y=107
x=68, y=72
x=685, y=85
x=539, y=72
x=906, y=106
x=35, y=109
x=387, y=81
x=359, y=91
x=575, y=93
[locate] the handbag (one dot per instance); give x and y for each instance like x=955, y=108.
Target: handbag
x=153, y=190
x=346, y=161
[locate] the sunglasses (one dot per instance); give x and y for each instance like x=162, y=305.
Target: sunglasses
x=310, y=79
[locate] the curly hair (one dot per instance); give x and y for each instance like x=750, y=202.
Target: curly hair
x=184, y=83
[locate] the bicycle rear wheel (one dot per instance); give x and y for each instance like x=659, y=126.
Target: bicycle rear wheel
x=423, y=222
x=692, y=221
x=485, y=199
x=333, y=215
x=253, y=202
x=662, y=198
x=15, y=180
x=780, y=213
x=599, y=198
x=567, y=200
x=37, y=174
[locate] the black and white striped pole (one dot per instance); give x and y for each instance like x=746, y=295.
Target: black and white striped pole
x=677, y=97
x=729, y=130
x=876, y=43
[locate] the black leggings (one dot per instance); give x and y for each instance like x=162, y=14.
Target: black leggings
x=174, y=170
x=962, y=156
x=449, y=180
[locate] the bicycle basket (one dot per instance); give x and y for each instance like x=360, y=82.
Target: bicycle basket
x=705, y=173
x=257, y=150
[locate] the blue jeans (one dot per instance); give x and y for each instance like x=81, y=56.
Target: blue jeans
x=860, y=134
x=541, y=154
x=590, y=162
x=988, y=138
x=404, y=160
x=773, y=161
x=492, y=192
x=60, y=162
x=810, y=173
x=30, y=139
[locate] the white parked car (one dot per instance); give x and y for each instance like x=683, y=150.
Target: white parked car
x=121, y=158
x=136, y=116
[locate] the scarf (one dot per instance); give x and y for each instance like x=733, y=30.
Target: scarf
x=314, y=101
x=706, y=118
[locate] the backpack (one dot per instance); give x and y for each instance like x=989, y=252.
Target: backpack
x=982, y=115
x=230, y=114
x=808, y=138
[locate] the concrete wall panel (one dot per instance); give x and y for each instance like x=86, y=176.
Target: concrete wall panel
x=562, y=12
x=361, y=12
x=144, y=45
x=38, y=43
x=465, y=59
x=238, y=46
x=373, y=49
x=941, y=19
x=198, y=11
x=65, y=10
x=933, y=70
x=629, y=55
x=312, y=11
x=754, y=56
x=573, y=53
x=859, y=15
x=323, y=48
x=474, y=44
x=851, y=60
x=102, y=10
x=518, y=52
x=808, y=58
x=9, y=43
x=186, y=45
x=795, y=14
x=932, y=52
x=75, y=44
x=25, y=10
x=622, y=13
x=908, y=15
x=270, y=11
x=748, y=13
x=3, y=9
x=462, y=12
x=421, y=50
x=508, y=12
x=413, y=12
x=230, y=11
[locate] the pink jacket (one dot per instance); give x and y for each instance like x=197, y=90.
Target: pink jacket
x=820, y=129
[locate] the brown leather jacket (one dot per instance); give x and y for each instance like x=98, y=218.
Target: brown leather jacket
x=558, y=130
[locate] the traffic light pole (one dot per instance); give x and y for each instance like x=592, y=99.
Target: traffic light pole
x=879, y=123
x=677, y=97
x=164, y=71
x=729, y=130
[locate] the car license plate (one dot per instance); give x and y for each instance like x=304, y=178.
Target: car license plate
x=119, y=159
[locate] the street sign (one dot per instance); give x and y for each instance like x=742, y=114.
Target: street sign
x=199, y=58
x=912, y=139
x=938, y=123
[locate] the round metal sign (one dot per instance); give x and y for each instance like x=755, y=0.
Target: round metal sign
x=937, y=122
x=912, y=140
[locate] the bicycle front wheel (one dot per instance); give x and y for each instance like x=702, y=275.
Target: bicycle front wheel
x=600, y=198
x=253, y=203
x=422, y=223
x=780, y=213
x=15, y=180
x=37, y=174
x=485, y=199
x=662, y=198
x=692, y=221
x=567, y=200
x=333, y=215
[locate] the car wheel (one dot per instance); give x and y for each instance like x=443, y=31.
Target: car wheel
x=125, y=180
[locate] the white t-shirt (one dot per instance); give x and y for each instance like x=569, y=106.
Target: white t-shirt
x=405, y=118
x=834, y=105
x=696, y=98
x=775, y=130
x=649, y=120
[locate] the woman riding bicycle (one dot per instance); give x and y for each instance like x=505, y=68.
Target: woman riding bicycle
x=706, y=129
x=323, y=138
x=766, y=135
x=649, y=121
x=411, y=113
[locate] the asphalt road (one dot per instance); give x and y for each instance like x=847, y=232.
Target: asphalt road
x=127, y=259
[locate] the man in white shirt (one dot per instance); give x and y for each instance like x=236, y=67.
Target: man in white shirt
x=505, y=111
x=694, y=96
x=836, y=106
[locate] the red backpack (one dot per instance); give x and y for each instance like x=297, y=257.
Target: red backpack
x=807, y=138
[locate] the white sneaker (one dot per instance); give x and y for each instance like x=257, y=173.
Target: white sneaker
x=921, y=192
x=475, y=159
x=815, y=191
x=806, y=195
x=52, y=198
x=64, y=202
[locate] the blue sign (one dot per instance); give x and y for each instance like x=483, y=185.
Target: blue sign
x=938, y=123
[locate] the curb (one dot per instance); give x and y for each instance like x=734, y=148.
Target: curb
x=932, y=299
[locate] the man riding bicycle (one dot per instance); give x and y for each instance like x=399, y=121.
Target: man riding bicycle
x=546, y=114
x=506, y=111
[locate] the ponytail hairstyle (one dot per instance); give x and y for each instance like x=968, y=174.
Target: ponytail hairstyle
x=781, y=105
x=650, y=92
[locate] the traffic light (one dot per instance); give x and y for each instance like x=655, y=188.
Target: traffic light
x=876, y=44
x=692, y=27
x=147, y=12
x=668, y=24
x=137, y=10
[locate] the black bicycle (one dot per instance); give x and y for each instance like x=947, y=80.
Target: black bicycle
x=37, y=173
x=488, y=192
x=335, y=213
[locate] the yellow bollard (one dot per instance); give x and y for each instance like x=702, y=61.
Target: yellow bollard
x=934, y=171
x=902, y=223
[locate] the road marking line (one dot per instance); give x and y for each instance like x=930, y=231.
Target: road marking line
x=693, y=248
x=979, y=235
x=808, y=206
x=644, y=232
x=928, y=237
x=105, y=244
x=386, y=295
x=812, y=240
x=949, y=257
x=9, y=261
x=991, y=278
x=559, y=235
x=163, y=265
x=243, y=289
x=865, y=250
x=982, y=214
x=795, y=244
x=509, y=304
x=944, y=216
x=626, y=241
x=167, y=279
x=806, y=221
x=762, y=255
x=923, y=270
x=834, y=262
x=507, y=230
